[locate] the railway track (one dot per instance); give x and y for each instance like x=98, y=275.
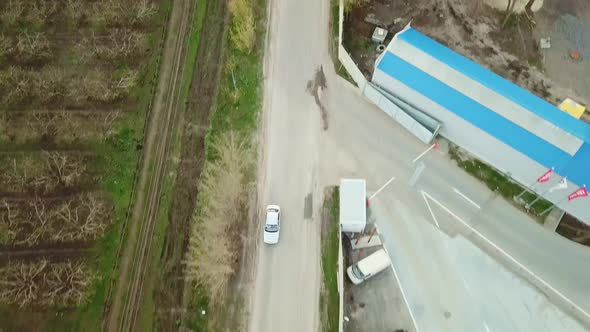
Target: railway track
x=163, y=123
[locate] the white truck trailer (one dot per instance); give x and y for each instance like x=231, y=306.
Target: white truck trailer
x=353, y=205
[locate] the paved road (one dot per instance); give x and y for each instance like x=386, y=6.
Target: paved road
x=450, y=283
x=288, y=274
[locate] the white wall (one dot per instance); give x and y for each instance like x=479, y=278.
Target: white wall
x=391, y=109
x=489, y=149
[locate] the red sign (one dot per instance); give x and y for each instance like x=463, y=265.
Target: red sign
x=582, y=192
x=545, y=177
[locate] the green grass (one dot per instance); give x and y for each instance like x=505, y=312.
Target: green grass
x=329, y=297
x=199, y=302
x=334, y=24
x=497, y=181
x=239, y=114
x=535, y=62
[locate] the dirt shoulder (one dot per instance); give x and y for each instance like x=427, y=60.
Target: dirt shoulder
x=121, y=310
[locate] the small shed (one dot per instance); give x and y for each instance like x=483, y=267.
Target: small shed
x=353, y=205
x=379, y=35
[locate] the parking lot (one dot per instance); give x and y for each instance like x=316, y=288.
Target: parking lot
x=376, y=304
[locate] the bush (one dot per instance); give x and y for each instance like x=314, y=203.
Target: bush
x=214, y=242
x=243, y=29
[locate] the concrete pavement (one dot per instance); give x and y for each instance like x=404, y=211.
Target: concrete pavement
x=451, y=284
x=378, y=149
x=288, y=274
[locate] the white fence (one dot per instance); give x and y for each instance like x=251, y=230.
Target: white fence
x=395, y=112
x=351, y=68
x=340, y=280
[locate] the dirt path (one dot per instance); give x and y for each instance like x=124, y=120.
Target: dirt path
x=126, y=299
x=203, y=91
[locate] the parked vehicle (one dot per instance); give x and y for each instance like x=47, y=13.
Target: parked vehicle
x=272, y=225
x=353, y=205
x=368, y=266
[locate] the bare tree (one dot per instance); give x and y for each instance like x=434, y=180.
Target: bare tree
x=213, y=244
x=51, y=85
x=20, y=282
x=529, y=12
x=114, y=13
x=5, y=47
x=67, y=169
x=118, y=44
x=32, y=47
x=8, y=223
x=508, y=12
x=82, y=218
x=15, y=85
x=12, y=12
x=44, y=283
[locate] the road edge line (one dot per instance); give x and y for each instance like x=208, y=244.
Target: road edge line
x=430, y=209
x=544, y=283
x=400, y=285
x=458, y=192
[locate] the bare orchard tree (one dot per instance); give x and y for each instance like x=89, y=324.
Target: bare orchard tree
x=118, y=44
x=14, y=177
x=6, y=47
x=51, y=85
x=32, y=47
x=66, y=169
x=67, y=283
x=12, y=12
x=45, y=283
x=15, y=85
x=38, y=224
x=8, y=223
x=84, y=219
x=113, y=13
x=19, y=282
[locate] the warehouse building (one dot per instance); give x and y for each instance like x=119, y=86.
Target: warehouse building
x=492, y=118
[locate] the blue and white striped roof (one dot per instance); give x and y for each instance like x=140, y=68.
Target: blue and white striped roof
x=513, y=115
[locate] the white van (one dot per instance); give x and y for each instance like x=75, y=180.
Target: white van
x=368, y=266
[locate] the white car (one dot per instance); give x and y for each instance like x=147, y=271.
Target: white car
x=272, y=225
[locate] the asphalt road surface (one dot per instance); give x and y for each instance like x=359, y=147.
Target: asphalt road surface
x=288, y=274
x=447, y=279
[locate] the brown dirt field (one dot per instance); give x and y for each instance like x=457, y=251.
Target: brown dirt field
x=575, y=230
x=472, y=29
x=52, y=253
x=203, y=91
x=61, y=109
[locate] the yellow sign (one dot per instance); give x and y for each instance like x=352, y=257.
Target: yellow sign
x=572, y=108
